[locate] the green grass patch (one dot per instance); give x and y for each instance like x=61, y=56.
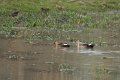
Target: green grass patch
x=66, y=16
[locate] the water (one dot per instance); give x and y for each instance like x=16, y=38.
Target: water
x=25, y=61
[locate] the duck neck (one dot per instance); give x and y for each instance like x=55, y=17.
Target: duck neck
x=78, y=43
x=56, y=44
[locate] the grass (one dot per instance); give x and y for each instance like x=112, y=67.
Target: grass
x=62, y=19
x=75, y=5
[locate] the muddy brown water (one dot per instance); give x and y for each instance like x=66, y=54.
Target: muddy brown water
x=25, y=61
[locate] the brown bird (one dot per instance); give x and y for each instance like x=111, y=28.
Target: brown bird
x=85, y=45
x=14, y=14
x=60, y=44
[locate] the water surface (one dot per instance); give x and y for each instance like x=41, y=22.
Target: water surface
x=20, y=60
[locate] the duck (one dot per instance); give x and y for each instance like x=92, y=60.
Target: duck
x=85, y=45
x=60, y=44
x=15, y=13
x=88, y=45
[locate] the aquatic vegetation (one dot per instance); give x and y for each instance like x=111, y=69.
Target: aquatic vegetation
x=66, y=68
x=13, y=57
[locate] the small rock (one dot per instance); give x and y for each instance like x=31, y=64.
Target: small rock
x=33, y=64
x=9, y=51
x=35, y=52
x=22, y=57
x=49, y=62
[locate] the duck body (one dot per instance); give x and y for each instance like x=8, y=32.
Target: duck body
x=85, y=45
x=62, y=44
x=88, y=46
x=65, y=45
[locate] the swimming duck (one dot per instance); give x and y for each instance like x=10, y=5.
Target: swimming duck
x=61, y=44
x=85, y=45
x=88, y=45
